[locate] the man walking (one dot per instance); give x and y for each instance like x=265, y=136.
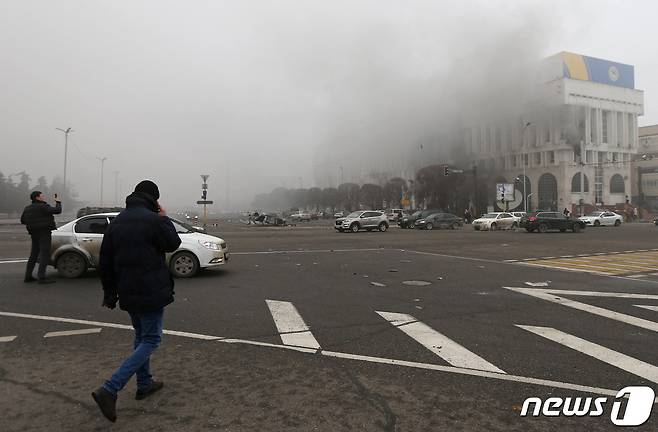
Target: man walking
x=134, y=273
x=39, y=221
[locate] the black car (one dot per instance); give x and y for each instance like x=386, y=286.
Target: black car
x=439, y=220
x=409, y=221
x=544, y=221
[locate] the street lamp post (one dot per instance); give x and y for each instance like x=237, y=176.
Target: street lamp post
x=116, y=188
x=102, y=159
x=66, y=131
x=525, y=179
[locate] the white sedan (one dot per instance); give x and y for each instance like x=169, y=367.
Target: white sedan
x=605, y=218
x=76, y=247
x=495, y=221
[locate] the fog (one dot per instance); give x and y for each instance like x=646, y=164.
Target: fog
x=267, y=94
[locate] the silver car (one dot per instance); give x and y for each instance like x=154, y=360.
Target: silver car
x=76, y=247
x=364, y=219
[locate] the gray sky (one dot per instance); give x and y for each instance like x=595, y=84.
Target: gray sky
x=247, y=91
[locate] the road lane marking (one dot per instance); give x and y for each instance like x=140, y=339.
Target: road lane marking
x=551, y=296
x=16, y=261
x=277, y=252
x=347, y=356
x=439, y=344
x=599, y=352
x=72, y=332
x=292, y=328
x=7, y=338
x=648, y=307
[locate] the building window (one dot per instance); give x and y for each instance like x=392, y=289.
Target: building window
x=617, y=184
x=575, y=183
x=590, y=157
x=514, y=162
x=526, y=159
x=593, y=126
x=604, y=127
x=615, y=157
x=551, y=157
x=631, y=130
x=620, y=129
x=598, y=184
x=547, y=192
x=538, y=159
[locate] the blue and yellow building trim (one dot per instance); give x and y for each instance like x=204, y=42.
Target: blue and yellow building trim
x=580, y=67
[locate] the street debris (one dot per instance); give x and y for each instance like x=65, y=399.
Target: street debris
x=416, y=283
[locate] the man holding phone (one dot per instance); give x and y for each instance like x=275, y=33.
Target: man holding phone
x=134, y=272
x=39, y=221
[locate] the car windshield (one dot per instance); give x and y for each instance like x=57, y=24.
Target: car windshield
x=181, y=227
x=417, y=214
x=489, y=216
x=354, y=214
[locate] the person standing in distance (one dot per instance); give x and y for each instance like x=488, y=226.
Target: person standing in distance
x=134, y=272
x=39, y=221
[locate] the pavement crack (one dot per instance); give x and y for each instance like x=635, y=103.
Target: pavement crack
x=376, y=400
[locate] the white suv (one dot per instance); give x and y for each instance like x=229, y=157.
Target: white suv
x=364, y=219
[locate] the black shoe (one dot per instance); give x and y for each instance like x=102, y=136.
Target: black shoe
x=29, y=279
x=107, y=402
x=154, y=387
x=46, y=281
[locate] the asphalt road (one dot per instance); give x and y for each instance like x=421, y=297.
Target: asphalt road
x=309, y=329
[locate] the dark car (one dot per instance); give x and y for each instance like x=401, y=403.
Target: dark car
x=439, y=220
x=410, y=220
x=547, y=220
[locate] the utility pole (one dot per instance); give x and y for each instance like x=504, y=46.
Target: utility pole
x=116, y=188
x=66, y=131
x=523, y=160
x=102, y=159
x=582, y=178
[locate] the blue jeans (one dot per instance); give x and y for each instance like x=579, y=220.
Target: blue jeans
x=148, y=334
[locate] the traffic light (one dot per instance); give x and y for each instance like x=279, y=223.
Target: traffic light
x=204, y=194
x=446, y=170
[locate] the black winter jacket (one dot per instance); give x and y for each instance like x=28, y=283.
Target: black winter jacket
x=132, y=257
x=38, y=217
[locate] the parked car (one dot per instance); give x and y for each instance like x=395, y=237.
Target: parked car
x=339, y=214
x=363, y=219
x=301, y=216
x=602, y=218
x=495, y=221
x=410, y=220
x=517, y=217
x=545, y=221
x=76, y=247
x=394, y=215
x=439, y=220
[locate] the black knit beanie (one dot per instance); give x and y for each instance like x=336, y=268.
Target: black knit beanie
x=148, y=187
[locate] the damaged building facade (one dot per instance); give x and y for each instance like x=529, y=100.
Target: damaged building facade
x=574, y=143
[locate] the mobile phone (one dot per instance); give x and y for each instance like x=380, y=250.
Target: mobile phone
x=55, y=196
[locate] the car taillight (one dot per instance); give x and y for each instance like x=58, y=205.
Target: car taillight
x=532, y=218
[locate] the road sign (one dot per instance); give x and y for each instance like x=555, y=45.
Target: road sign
x=204, y=202
x=504, y=192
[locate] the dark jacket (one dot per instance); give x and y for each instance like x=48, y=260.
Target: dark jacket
x=132, y=257
x=38, y=217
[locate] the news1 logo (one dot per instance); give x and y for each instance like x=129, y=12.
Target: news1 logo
x=638, y=403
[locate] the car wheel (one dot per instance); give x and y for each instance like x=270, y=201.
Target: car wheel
x=455, y=226
x=617, y=222
x=597, y=223
x=184, y=265
x=71, y=265
x=494, y=227
x=383, y=227
x=576, y=228
x=514, y=225
x=543, y=228
x=429, y=226
x=354, y=227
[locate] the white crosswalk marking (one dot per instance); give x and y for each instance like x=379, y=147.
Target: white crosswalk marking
x=292, y=328
x=614, y=358
x=439, y=344
x=652, y=308
x=7, y=338
x=72, y=332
